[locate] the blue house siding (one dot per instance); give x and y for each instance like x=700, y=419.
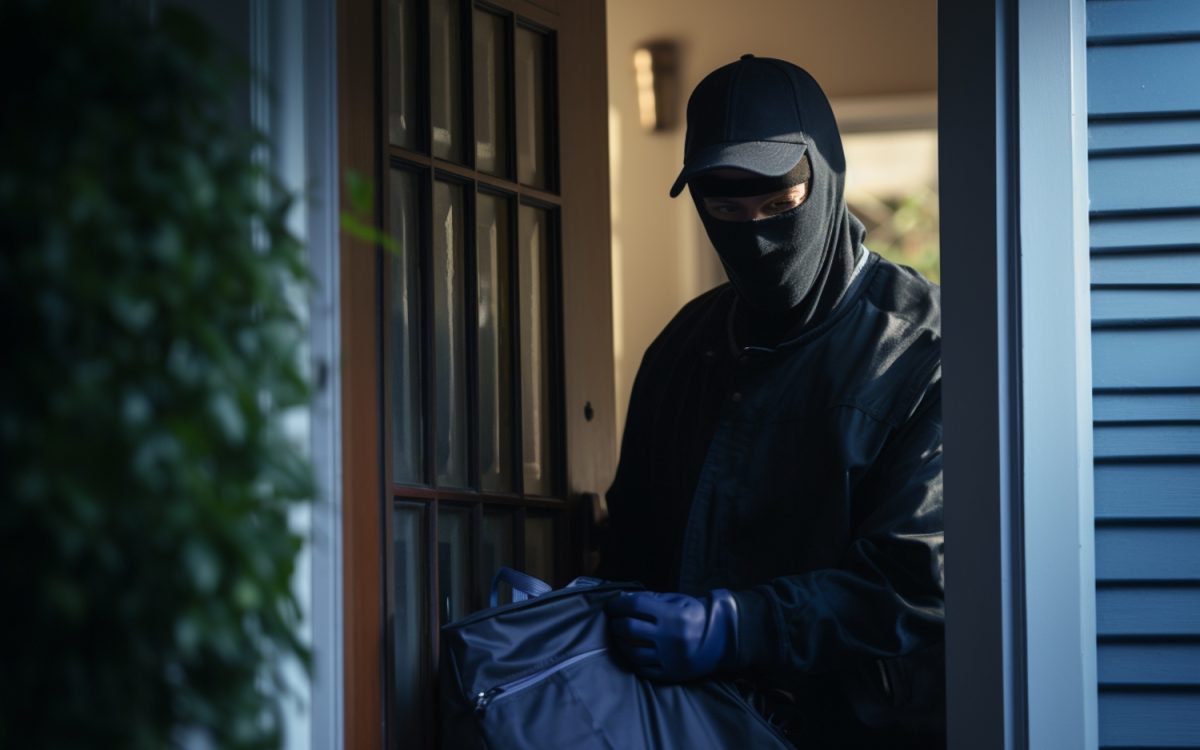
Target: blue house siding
x=1144, y=174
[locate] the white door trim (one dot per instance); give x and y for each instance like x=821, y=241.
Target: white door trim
x=1056, y=376
x=1020, y=639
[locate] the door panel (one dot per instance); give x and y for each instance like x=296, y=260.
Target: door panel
x=492, y=401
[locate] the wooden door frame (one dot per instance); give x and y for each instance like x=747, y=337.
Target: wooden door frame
x=363, y=628
x=589, y=398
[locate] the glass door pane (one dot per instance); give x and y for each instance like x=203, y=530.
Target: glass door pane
x=404, y=333
x=402, y=73
x=493, y=255
x=450, y=351
x=446, y=84
x=491, y=93
x=534, y=311
x=539, y=547
x=454, y=563
x=532, y=168
x=497, y=549
x=409, y=622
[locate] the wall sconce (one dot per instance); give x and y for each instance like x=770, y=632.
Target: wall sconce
x=655, y=65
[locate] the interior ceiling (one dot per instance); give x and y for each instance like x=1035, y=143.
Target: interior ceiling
x=853, y=47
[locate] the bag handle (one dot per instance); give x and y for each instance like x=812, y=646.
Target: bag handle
x=524, y=586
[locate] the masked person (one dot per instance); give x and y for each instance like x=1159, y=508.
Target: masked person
x=780, y=481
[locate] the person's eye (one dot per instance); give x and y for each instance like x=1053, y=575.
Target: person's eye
x=724, y=209
x=782, y=204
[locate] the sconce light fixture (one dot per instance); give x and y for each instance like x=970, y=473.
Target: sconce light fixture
x=655, y=66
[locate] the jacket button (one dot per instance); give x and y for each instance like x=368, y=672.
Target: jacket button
x=737, y=397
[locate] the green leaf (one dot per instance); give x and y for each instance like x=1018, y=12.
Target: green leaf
x=367, y=233
x=360, y=191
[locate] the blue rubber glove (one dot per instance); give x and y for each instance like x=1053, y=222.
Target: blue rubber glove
x=675, y=637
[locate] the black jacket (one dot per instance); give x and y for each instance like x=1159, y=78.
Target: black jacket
x=806, y=478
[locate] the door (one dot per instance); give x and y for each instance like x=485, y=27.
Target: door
x=477, y=366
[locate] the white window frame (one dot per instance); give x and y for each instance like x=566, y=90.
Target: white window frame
x=293, y=45
x=313, y=50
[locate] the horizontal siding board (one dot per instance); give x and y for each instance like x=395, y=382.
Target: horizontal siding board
x=1109, y=20
x=1145, y=304
x=1123, y=135
x=1147, y=268
x=1133, y=610
x=1172, y=664
x=1143, y=79
x=1143, y=233
x=1146, y=441
x=1150, y=491
x=1145, y=182
x=1144, y=197
x=1165, y=441
x=1149, y=720
x=1134, y=407
x=1149, y=358
x=1154, y=553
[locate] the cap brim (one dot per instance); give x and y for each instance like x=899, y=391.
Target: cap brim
x=767, y=158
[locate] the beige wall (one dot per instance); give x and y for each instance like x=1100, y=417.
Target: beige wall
x=661, y=257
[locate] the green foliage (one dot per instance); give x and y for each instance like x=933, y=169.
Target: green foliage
x=905, y=231
x=145, y=482
x=358, y=222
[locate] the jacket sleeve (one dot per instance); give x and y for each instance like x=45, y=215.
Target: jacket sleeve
x=886, y=596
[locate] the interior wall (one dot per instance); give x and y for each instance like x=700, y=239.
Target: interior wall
x=661, y=256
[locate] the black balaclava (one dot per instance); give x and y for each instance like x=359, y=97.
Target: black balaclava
x=790, y=269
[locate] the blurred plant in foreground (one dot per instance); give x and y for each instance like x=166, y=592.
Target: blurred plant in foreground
x=145, y=482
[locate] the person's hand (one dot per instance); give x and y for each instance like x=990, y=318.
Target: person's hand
x=675, y=637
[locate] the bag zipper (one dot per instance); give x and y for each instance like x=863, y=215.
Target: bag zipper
x=489, y=612
x=485, y=699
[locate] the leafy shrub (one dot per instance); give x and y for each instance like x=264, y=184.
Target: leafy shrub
x=145, y=483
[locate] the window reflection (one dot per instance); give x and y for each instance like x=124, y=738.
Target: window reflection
x=404, y=342
x=539, y=547
x=531, y=108
x=449, y=340
x=402, y=73
x=497, y=549
x=446, y=84
x=492, y=256
x=535, y=351
x=454, y=563
x=491, y=92
x=408, y=627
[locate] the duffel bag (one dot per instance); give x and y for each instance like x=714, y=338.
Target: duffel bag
x=538, y=673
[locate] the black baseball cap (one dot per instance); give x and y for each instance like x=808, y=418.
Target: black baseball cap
x=749, y=115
